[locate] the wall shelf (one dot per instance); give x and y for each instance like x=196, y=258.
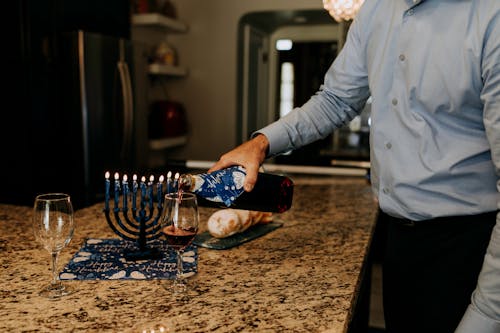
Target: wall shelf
x=160, y=69
x=160, y=21
x=150, y=29
x=159, y=144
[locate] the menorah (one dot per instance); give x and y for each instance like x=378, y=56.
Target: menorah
x=141, y=222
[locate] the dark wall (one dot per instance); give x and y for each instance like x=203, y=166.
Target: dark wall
x=109, y=17
x=30, y=75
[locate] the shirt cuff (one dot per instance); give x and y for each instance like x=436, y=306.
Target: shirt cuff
x=473, y=322
x=277, y=137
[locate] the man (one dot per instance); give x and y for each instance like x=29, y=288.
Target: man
x=432, y=68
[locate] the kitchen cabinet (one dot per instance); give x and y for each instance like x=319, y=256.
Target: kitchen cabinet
x=151, y=29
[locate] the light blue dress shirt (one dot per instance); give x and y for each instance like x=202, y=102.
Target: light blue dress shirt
x=433, y=70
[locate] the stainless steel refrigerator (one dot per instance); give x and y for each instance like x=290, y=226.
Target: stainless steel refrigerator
x=81, y=104
x=97, y=86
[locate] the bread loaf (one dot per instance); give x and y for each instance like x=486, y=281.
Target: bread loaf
x=227, y=222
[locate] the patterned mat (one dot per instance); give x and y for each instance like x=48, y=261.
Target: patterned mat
x=105, y=259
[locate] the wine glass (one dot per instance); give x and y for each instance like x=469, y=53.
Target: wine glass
x=179, y=226
x=53, y=226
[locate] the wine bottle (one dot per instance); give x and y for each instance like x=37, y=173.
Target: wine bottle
x=224, y=188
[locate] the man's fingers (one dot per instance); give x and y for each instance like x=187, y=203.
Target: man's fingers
x=251, y=178
x=220, y=164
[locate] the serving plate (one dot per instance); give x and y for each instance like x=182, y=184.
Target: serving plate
x=208, y=241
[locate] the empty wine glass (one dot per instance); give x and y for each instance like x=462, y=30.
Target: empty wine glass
x=53, y=226
x=179, y=227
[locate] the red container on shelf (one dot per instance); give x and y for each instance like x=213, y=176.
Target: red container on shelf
x=167, y=119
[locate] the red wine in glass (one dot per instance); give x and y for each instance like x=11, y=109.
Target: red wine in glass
x=179, y=238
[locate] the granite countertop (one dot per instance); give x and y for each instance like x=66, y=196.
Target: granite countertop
x=302, y=277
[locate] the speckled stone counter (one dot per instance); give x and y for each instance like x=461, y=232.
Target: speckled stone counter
x=302, y=277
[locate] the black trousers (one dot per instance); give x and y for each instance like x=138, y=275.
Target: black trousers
x=430, y=270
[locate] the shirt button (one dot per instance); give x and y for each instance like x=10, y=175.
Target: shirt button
x=394, y=101
x=388, y=145
x=402, y=57
x=385, y=190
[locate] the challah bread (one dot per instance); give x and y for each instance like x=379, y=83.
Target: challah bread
x=245, y=219
x=227, y=222
x=267, y=217
x=224, y=223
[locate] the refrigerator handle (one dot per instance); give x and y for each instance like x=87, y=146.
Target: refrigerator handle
x=130, y=111
x=128, y=114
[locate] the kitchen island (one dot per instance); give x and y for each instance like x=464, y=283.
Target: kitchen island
x=302, y=277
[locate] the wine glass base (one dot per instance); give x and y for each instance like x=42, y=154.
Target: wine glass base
x=163, y=326
x=55, y=291
x=182, y=291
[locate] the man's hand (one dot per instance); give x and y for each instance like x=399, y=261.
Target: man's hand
x=249, y=155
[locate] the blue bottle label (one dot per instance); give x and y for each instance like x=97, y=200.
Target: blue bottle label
x=221, y=186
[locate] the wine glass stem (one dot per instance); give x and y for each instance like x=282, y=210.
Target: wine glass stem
x=54, y=267
x=179, y=266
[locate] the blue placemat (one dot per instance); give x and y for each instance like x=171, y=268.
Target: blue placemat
x=103, y=259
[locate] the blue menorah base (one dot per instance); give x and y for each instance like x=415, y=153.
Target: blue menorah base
x=142, y=254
